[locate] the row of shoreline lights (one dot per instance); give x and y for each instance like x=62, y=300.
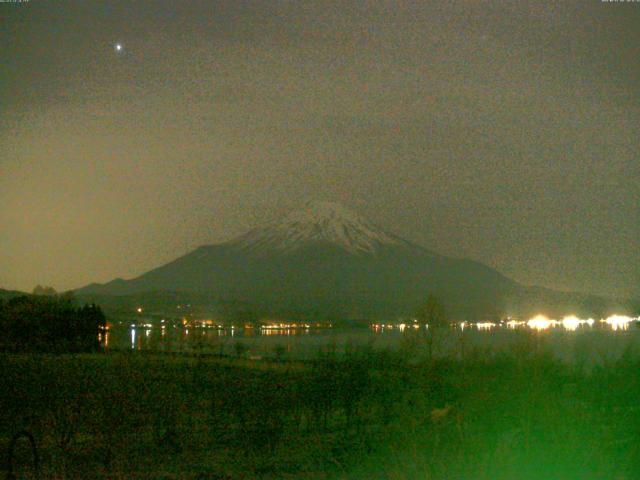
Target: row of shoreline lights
x=211, y=324
x=572, y=323
x=539, y=322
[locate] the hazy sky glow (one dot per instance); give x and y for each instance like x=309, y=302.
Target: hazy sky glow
x=506, y=132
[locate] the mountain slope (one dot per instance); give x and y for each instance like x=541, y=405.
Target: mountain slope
x=325, y=258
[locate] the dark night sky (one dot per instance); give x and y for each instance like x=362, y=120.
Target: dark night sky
x=506, y=132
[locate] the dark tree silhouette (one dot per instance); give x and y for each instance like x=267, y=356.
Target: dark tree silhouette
x=50, y=324
x=432, y=313
x=42, y=290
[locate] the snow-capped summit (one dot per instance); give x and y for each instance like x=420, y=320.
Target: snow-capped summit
x=324, y=222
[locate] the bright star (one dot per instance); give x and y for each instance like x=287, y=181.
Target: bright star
x=118, y=47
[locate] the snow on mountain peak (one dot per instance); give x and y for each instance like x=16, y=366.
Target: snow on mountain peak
x=325, y=222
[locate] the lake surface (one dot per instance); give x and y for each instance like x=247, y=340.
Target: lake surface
x=593, y=344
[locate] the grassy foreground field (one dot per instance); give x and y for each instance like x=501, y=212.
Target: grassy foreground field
x=366, y=415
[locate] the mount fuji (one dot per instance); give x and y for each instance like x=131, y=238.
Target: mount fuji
x=327, y=260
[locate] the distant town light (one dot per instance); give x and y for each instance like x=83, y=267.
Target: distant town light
x=572, y=322
x=540, y=322
x=485, y=325
x=618, y=322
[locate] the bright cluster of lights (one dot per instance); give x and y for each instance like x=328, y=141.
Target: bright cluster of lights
x=618, y=322
x=572, y=322
x=515, y=323
x=380, y=327
x=285, y=326
x=403, y=326
x=478, y=325
x=540, y=322
x=206, y=324
x=485, y=325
